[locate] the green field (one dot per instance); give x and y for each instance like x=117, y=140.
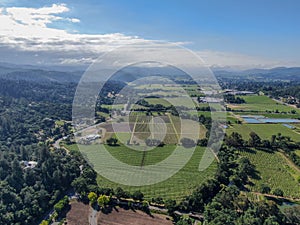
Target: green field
x=176, y=187
x=134, y=158
x=265, y=131
x=262, y=104
x=115, y=106
x=273, y=171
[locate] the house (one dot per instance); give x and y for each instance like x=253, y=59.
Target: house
x=28, y=164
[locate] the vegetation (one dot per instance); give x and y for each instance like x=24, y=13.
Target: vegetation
x=256, y=159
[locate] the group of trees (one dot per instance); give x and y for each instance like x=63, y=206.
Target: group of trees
x=234, y=99
x=28, y=193
x=101, y=200
x=154, y=142
x=289, y=90
x=112, y=141
x=277, y=141
x=28, y=112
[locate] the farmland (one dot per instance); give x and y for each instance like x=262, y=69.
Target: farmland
x=261, y=104
x=188, y=177
x=274, y=171
x=142, y=127
x=265, y=131
x=272, y=168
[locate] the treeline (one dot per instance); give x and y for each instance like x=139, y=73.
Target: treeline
x=233, y=99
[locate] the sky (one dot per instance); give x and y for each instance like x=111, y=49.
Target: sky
x=241, y=34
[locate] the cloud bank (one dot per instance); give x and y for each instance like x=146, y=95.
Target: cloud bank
x=26, y=38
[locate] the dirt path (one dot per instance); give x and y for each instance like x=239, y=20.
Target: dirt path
x=293, y=106
x=93, y=217
x=177, y=135
x=291, y=164
x=133, y=130
x=275, y=196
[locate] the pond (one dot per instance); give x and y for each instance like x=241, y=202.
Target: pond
x=262, y=119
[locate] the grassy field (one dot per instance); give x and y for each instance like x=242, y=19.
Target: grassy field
x=242, y=129
x=115, y=106
x=274, y=171
x=265, y=131
x=262, y=104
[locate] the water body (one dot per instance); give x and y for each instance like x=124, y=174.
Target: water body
x=288, y=126
x=262, y=119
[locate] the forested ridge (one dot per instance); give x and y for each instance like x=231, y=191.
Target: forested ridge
x=29, y=111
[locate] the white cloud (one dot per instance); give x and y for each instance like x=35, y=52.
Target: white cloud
x=24, y=32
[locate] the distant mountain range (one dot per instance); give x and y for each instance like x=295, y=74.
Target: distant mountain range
x=278, y=73
x=34, y=74
x=39, y=74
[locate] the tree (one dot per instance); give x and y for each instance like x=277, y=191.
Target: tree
x=103, y=200
x=265, y=189
x=278, y=192
x=80, y=185
x=92, y=196
x=202, y=142
x=293, y=214
x=120, y=193
x=170, y=206
x=187, y=142
x=254, y=140
x=138, y=195
x=272, y=220
x=44, y=222
x=61, y=205
x=112, y=141
x=234, y=140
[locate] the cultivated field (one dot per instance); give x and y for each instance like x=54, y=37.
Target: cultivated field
x=261, y=104
x=274, y=171
x=176, y=187
x=265, y=131
x=142, y=127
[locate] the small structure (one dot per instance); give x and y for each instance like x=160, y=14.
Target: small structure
x=235, y=92
x=89, y=139
x=29, y=164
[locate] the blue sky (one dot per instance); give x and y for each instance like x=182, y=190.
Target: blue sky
x=268, y=29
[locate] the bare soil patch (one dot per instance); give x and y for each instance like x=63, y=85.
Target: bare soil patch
x=121, y=216
x=79, y=215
